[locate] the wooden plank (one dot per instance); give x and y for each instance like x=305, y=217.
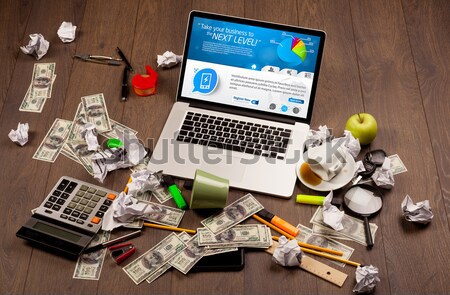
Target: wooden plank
x=427, y=23
x=26, y=185
x=391, y=93
x=99, y=33
x=13, y=28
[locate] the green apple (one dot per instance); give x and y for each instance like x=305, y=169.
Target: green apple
x=362, y=126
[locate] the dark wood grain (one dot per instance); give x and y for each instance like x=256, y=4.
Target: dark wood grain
x=391, y=94
x=388, y=58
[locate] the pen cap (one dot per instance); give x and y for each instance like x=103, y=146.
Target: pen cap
x=308, y=199
x=209, y=191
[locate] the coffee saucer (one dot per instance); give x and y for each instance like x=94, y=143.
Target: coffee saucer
x=337, y=182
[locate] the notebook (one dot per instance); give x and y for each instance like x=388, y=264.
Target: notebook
x=244, y=103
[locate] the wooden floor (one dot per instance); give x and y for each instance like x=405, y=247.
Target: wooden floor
x=389, y=58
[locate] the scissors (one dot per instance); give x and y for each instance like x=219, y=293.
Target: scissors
x=100, y=59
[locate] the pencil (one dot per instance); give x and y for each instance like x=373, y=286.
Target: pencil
x=314, y=252
x=125, y=190
x=189, y=231
x=314, y=247
x=293, y=238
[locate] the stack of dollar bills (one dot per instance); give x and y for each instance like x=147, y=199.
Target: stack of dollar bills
x=221, y=233
x=65, y=136
x=40, y=88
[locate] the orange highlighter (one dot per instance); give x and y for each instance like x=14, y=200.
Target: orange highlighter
x=278, y=222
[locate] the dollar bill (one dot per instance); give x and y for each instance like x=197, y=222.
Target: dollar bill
x=142, y=165
x=248, y=235
x=53, y=142
x=42, y=80
x=307, y=236
x=78, y=124
x=164, y=215
x=96, y=112
x=31, y=103
x=397, y=165
x=353, y=227
x=187, y=258
x=216, y=251
x=68, y=153
x=328, y=232
x=84, y=155
x=89, y=266
x=233, y=214
x=185, y=237
x=162, y=195
x=149, y=262
x=118, y=130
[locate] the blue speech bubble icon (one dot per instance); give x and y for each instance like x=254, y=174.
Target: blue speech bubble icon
x=205, y=81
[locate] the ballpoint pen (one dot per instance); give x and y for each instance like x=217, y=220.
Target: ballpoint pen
x=99, y=59
x=112, y=242
x=125, y=84
x=122, y=56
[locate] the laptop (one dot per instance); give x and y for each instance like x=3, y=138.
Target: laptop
x=244, y=103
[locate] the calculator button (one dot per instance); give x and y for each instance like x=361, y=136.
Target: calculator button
x=96, y=220
x=107, y=202
x=92, y=204
x=48, y=211
x=63, y=216
x=87, y=196
x=111, y=196
x=101, y=193
x=65, y=195
x=80, y=221
x=48, y=205
x=84, y=202
x=79, y=193
x=71, y=205
x=75, y=213
x=90, y=225
x=72, y=219
x=56, y=207
x=62, y=185
x=71, y=187
x=96, y=198
x=99, y=214
x=91, y=190
x=67, y=211
x=56, y=193
x=52, y=199
x=88, y=210
x=80, y=207
x=76, y=199
x=84, y=216
x=103, y=208
x=60, y=201
x=84, y=187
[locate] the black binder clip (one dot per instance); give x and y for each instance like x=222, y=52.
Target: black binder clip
x=121, y=252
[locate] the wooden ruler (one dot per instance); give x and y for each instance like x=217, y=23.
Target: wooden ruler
x=317, y=268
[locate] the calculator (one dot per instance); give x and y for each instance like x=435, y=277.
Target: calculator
x=69, y=217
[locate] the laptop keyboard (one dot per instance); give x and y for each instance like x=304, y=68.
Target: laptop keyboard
x=235, y=135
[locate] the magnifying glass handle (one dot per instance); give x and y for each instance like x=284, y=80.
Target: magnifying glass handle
x=368, y=232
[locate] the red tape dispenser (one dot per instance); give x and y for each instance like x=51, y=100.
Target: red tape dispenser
x=145, y=85
x=121, y=252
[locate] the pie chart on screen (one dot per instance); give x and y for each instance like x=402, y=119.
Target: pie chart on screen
x=292, y=51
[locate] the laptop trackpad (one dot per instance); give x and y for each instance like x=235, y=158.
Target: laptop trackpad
x=229, y=168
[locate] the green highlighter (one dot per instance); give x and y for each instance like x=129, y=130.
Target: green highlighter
x=174, y=191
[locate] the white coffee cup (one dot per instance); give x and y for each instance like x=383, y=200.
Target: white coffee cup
x=326, y=160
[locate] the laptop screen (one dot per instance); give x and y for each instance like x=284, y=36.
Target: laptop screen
x=258, y=66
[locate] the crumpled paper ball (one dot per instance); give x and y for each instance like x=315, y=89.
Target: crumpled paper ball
x=288, y=252
x=366, y=279
x=419, y=212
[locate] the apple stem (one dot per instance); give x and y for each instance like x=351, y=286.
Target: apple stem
x=360, y=119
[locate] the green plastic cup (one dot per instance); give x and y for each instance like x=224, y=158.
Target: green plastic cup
x=209, y=191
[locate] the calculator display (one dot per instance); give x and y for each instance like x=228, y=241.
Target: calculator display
x=56, y=232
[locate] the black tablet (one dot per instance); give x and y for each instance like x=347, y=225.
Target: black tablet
x=229, y=261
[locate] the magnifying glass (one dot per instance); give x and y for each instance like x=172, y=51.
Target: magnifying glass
x=364, y=201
